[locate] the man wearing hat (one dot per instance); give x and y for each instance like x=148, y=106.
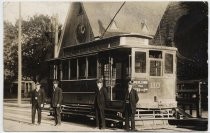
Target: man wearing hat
x=56, y=102
x=101, y=97
x=130, y=106
x=37, y=101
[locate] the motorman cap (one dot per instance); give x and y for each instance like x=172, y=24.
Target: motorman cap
x=99, y=81
x=130, y=82
x=55, y=82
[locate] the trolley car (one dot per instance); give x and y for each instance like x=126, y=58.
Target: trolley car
x=117, y=60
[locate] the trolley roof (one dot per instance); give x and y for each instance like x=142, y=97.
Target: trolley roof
x=111, y=43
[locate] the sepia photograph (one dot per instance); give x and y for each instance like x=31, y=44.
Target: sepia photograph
x=105, y=66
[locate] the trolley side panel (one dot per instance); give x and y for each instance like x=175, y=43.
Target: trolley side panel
x=78, y=92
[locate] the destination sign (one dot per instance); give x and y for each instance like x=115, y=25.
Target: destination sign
x=140, y=85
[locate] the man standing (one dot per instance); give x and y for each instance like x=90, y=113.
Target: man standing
x=101, y=97
x=130, y=106
x=37, y=101
x=56, y=102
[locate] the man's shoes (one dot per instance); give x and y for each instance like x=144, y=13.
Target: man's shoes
x=127, y=128
x=134, y=130
x=59, y=124
x=38, y=124
x=101, y=128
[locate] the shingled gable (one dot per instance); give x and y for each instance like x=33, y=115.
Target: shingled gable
x=128, y=20
x=96, y=16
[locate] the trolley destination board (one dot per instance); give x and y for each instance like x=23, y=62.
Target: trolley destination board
x=140, y=85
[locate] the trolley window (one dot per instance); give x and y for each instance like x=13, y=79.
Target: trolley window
x=106, y=71
x=73, y=71
x=169, y=63
x=82, y=67
x=155, y=54
x=56, y=71
x=65, y=69
x=140, y=62
x=92, y=64
x=117, y=72
x=51, y=71
x=155, y=68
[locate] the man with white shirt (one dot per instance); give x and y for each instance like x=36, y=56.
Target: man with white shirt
x=131, y=98
x=37, y=101
x=56, y=102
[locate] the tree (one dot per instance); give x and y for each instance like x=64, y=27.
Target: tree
x=10, y=51
x=37, y=43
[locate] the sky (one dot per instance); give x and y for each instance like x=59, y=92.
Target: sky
x=29, y=9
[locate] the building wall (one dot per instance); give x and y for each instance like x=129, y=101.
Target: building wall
x=168, y=23
x=78, y=29
x=185, y=26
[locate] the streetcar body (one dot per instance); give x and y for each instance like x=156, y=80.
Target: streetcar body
x=117, y=60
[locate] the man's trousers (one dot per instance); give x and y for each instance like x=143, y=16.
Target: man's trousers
x=57, y=115
x=129, y=116
x=34, y=108
x=100, y=120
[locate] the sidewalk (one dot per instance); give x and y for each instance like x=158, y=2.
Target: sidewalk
x=18, y=119
x=24, y=105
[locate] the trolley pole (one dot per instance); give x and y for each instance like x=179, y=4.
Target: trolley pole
x=19, y=58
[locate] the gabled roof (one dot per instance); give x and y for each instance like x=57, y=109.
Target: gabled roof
x=128, y=20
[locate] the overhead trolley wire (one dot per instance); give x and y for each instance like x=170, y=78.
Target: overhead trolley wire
x=112, y=19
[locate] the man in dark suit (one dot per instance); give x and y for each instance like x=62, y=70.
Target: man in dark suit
x=56, y=102
x=130, y=106
x=37, y=101
x=101, y=97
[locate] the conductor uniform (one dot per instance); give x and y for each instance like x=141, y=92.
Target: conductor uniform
x=37, y=101
x=56, y=102
x=101, y=97
x=130, y=107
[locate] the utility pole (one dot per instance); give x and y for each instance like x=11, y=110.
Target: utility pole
x=199, y=110
x=56, y=35
x=19, y=58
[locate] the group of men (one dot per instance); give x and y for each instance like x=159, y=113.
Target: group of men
x=131, y=98
x=38, y=100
